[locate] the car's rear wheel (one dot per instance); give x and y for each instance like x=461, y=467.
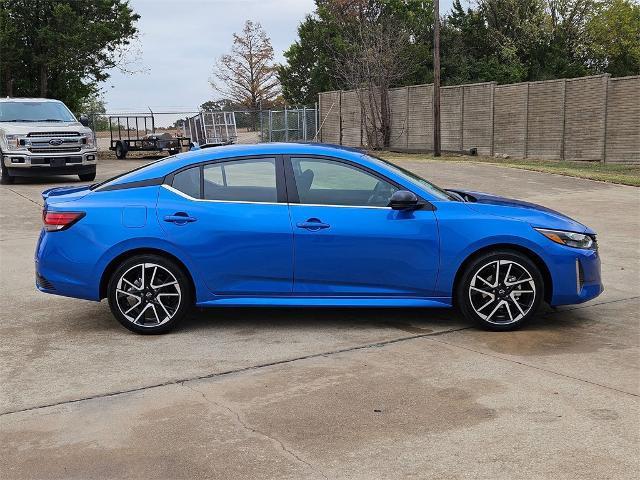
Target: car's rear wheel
x=500, y=290
x=149, y=294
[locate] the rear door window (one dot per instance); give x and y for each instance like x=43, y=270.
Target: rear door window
x=247, y=180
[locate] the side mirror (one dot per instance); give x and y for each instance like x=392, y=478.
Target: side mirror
x=84, y=120
x=403, y=200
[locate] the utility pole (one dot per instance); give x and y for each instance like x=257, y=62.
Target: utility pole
x=436, y=78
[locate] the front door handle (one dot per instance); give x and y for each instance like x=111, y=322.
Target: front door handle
x=313, y=224
x=180, y=218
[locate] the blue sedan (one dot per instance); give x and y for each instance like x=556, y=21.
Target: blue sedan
x=305, y=225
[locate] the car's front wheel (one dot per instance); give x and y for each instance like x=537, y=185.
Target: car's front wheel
x=5, y=178
x=500, y=290
x=87, y=177
x=149, y=294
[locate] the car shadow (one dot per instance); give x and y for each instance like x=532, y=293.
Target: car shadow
x=410, y=320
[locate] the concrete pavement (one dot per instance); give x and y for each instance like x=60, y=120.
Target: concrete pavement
x=292, y=393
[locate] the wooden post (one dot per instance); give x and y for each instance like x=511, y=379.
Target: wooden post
x=526, y=123
x=564, y=116
x=406, y=120
x=493, y=114
x=436, y=78
x=604, y=117
x=462, y=118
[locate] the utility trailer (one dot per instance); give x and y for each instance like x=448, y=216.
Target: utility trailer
x=125, y=134
x=212, y=129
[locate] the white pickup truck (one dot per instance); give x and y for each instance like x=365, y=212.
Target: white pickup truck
x=40, y=136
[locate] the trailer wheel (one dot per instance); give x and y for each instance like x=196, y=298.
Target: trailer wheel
x=174, y=151
x=121, y=150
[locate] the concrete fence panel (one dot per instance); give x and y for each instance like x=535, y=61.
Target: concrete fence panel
x=329, y=117
x=585, y=118
x=623, y=120
x=351, y=119
x=477, y=118
x=398, y=106
x=451, y=108
x=545, y=120
x=420, y=118
x=510, y=119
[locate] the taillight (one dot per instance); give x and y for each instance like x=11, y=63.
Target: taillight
x=56, y=221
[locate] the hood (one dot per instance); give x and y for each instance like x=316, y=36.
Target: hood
x=64, y=194
x=536, y=215
x=23, y=128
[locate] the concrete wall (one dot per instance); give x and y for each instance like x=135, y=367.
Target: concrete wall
x=589, y=119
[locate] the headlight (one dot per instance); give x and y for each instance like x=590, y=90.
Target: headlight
x=13, y=142
x=570, y=239
x=90, y=141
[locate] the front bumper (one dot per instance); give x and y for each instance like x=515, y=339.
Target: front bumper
x=576, y=278
x=24, y=164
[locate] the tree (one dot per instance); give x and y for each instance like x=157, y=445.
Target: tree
x=62, y=48
x=94, y=106
x=310, y=63
x=247, y=75
x=614, y=34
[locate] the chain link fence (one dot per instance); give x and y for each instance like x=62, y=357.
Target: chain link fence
x=253, y=126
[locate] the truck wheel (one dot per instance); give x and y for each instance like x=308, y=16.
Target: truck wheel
x=5, y=179
x=87, y=177
x=121, y=151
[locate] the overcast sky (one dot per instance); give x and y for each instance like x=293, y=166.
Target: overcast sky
x=180, y=40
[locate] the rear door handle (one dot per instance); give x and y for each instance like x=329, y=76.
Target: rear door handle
x=180, y=218
x=313, y=224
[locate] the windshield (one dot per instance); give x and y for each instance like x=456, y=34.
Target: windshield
x=34, y=111
x=430, y=187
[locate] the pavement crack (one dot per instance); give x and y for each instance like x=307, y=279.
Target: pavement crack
x=535, y=367
x=243, y=424
x=25, y=197
x=233, y=371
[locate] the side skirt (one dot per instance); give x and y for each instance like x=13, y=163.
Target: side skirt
x=393, y=302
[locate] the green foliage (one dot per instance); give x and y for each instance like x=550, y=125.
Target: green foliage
x=61, y=48
x=494, y=40
x=614, y=35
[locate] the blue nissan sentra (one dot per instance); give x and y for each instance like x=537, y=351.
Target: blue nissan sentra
x=305, y=225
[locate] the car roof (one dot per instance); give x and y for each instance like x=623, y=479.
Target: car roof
x=26, y=99
x=168, y=165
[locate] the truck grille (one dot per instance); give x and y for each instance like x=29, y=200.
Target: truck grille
x=53, y=134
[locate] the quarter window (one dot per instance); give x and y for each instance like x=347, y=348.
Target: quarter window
x=252, y=180
x=329, y=182
x=188, y=182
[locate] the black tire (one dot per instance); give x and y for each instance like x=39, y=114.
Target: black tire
x=502, y=303
x=5, y=178
x=174, y=151
x=150, y=318
x=88, y=177
x=121, y=151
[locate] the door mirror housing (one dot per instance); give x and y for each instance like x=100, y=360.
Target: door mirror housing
x=84, y=120
x=403, y=200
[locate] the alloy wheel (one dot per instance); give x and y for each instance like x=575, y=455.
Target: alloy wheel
x=502, y=292
x=148, y=295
